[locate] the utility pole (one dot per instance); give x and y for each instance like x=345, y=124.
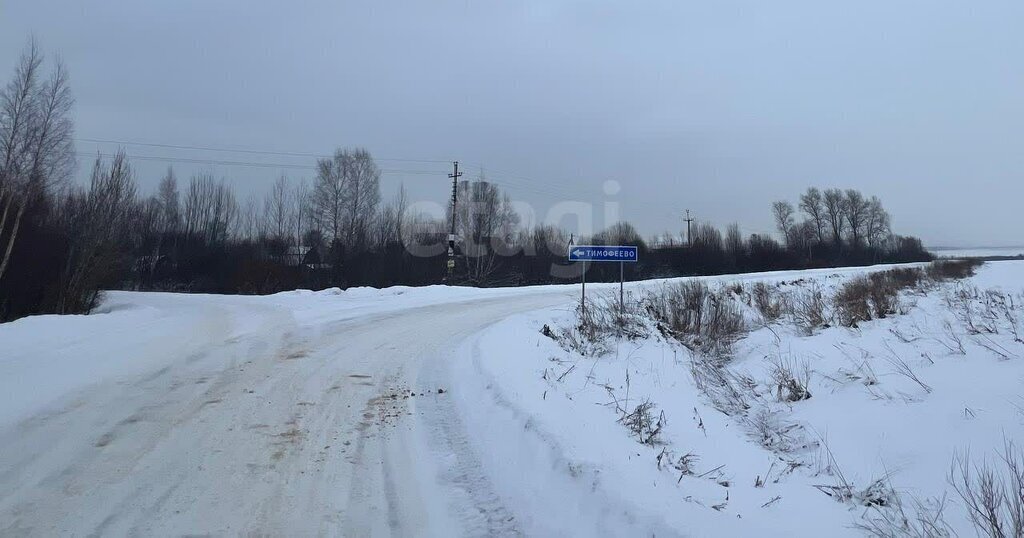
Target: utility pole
x=688, y=220
x=583, y=279
x=455, y=175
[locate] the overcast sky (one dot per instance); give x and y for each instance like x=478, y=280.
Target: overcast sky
x=716, y=106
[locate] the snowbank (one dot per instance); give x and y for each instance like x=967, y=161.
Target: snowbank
x=892, y=403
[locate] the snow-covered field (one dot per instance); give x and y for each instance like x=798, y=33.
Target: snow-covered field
x=549, y=420
x=445, y=411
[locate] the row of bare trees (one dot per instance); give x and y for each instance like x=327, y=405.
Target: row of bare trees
x=835, y=217
x=341, y=210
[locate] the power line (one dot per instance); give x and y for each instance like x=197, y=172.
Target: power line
x=508, y=180
x=292, y=166
x=553, y=190
x=524, y=178
x=246, y=151
x=188, y=160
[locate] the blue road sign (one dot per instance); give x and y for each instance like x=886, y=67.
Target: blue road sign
x=599, y=253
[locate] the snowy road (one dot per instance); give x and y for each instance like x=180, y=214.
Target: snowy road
x=253, y=419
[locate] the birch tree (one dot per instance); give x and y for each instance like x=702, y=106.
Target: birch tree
x=36, y=142
x=346, y=196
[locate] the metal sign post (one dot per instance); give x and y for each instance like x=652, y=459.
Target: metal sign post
x=583, y=294
x=622, y=280
x=603, y=253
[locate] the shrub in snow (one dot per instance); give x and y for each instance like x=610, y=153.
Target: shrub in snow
x=985, y=313
x=807, y=309
x=603, y=320
x=873, y=296
x=768, y=301
x=681, y=307
x=852, y=302
x=895, y=520
x=992, y=493
x=772, y=432
x=878, y=295
x=642, y=424
x=953, y=269
x=791, y=380
x=701, y=320
x=906, y=277
x=884, y=293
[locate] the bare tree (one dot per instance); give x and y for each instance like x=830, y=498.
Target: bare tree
x=424, y=235
x=303, y=216
x=143, y=223
x=665, y=239
x=735, y=247
x=804, y=236
x=277, y=211
x=855, y=208
x=390, y=220
x=783, y=213
x=363, y=198
x=97, y=223
x=210, y=209
x=165, y=207
x=251, y=223
x=346, y=196
x=877, y=226
x=36, y=141
x=485, y=221
x=170, y=203
x=17, y=104
x=146, y=225
x=835, y=213
x=52, y=155
x=707, y=237
x=329, y=195
x=546, y=239
x=813, y=206
x=620, y=233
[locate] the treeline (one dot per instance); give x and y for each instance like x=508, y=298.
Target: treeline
x=826, y=229
x=832, y=228
x=62, y=243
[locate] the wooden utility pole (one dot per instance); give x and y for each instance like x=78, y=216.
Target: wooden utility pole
x=455, y=175
x=689, y=242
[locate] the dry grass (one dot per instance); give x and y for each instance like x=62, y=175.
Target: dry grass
x=852, y=302
x=808, y=309
x=992, y=492
x=791, y=379
x=602, y=322
x=643, y=424
x=768, y=301
x=704, y=321
x=953, y=269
